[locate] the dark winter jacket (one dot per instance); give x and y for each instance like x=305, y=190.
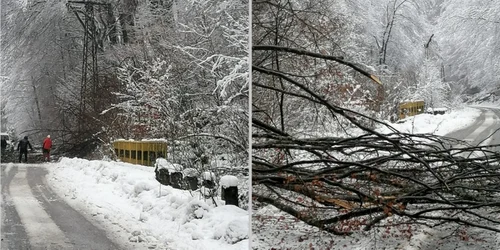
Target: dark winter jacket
x=23, y=145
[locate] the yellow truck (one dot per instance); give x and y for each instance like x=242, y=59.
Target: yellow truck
x=410, y=108
x=140, y=152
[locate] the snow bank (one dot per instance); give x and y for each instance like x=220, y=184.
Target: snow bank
x=129, y=197
x=436, y=124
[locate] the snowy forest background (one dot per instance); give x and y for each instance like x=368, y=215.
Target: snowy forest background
x=168, y=69
x=443, y=52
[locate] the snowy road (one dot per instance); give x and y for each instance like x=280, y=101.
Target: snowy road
x=482, y=132
x=33, y=217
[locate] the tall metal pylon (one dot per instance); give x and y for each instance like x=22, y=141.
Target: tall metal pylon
x=85, y=13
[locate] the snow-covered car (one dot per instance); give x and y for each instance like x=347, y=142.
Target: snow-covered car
x=5, y=136
x=437, y=111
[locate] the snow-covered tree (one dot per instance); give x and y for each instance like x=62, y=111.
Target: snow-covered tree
x=192, y=81
x=181, y=68
x=468, y=33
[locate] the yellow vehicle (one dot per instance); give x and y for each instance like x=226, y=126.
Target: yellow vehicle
x=140, y=152
x=410, y=108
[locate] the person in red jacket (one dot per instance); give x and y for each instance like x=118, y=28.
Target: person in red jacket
x=47, y=145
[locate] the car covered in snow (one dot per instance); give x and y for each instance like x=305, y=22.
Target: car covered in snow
x=5, y=136
x=437, y=111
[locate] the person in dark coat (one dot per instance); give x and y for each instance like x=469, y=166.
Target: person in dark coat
x=23, y=148
x=4, y=144
x=4, y=147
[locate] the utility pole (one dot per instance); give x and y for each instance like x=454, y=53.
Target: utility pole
x=37, y=102
x=426, y=67
x=85, y=13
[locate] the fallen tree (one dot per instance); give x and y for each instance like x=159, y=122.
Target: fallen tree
x=357, y=181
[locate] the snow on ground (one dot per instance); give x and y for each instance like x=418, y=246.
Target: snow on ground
x=128, y=198
x=487, y=105
x=437, y=124
x=274, y=229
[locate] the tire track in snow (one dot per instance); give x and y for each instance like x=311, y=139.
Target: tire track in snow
x=464, y=133
x=480, y=133
x=80, y=231
x=42, y=232
x=13, y=234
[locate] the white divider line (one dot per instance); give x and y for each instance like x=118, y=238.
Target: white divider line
x=41, y=229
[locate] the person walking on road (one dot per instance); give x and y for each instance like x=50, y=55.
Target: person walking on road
x=4, y=145
x=22, y=147
x=47, y=145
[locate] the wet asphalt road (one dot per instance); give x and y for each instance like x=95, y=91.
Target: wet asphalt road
x=484, y=131
x=34, y=217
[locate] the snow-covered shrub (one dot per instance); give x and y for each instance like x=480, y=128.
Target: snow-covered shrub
x=197, y=209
